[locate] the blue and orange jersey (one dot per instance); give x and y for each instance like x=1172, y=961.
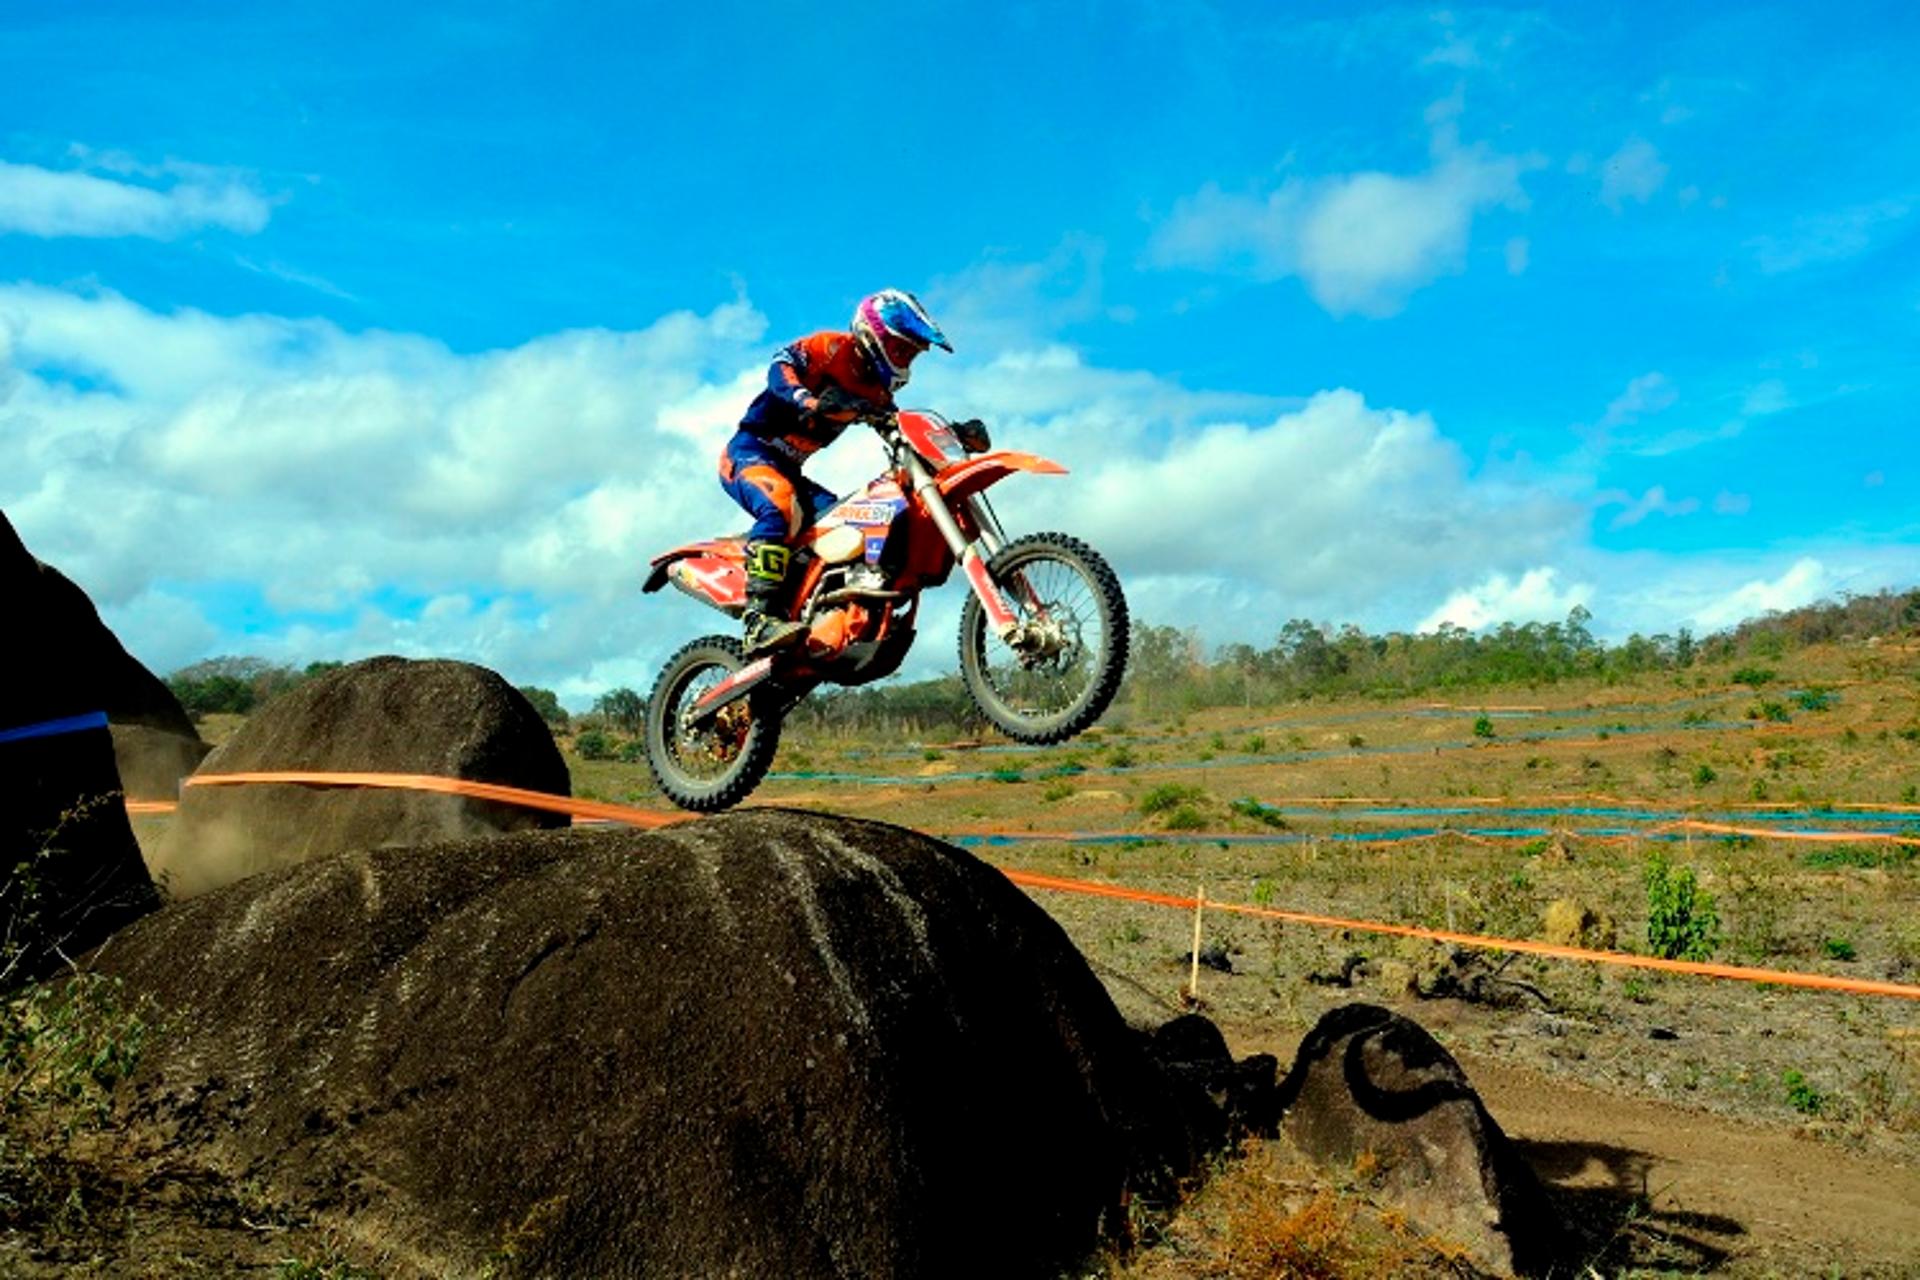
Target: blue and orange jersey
x=800, y=371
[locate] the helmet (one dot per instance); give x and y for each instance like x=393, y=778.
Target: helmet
x=892, y=328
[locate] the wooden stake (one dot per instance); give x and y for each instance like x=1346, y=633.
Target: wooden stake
x=1193, y=978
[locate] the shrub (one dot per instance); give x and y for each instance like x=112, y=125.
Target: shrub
x=1249, y=808
x=1186, y=818
x=1839, y=949
x=1058, y=789
x=1703, y=774
x=1008, y=773
x=1801, y=1095
x=1682, y=921
x=63, y=1047
x=1121, y=757
x=1483, y=728
x=592, y=744
x=1753, y=677
x=1168, y=796
x=1256, y=745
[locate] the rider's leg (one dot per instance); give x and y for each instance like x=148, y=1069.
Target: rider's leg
x=768, y=496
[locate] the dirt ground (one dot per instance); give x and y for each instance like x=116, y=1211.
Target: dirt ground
x=1731, y=1128
x=1719, y=1127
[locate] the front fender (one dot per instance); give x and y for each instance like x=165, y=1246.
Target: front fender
x=965, y=478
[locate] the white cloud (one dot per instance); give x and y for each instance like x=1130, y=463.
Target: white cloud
x=1804, y=582
x=1336, y=509
x=1829, y=237
x=1652, y=394
x=355, y=493
x=1532, y=597
x=1518, y=253
x=1645, y=395
x=1728, y=503
x=168, y=201
x=336, y=476
x=1362, y=242
x=1634, y=172
x=1654, y=502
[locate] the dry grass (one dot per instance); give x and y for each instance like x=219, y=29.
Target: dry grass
x=1270, y=1216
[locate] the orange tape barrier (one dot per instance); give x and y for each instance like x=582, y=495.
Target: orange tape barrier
x=1822, y=837
x=1698, y=968
x=451, y=786
x=1359, y=838
x=650, y=819
x=1590, y=797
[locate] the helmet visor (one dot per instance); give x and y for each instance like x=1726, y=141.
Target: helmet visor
x=899, y=349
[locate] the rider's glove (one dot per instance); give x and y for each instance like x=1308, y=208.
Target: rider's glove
x=839, y=405
x=972, y=435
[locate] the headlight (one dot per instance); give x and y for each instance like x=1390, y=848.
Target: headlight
x=973, y=436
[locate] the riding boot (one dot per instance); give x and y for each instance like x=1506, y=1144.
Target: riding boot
x=764, y=630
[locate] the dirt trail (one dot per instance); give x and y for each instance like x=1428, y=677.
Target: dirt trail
x=1759, y=1194
x=1732, y=1198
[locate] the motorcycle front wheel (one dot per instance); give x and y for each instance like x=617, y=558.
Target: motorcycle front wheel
x=1068, y=652
x=715, y=763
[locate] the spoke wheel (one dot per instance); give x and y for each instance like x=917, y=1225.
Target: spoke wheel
x=1061, y=666
x=714, y=763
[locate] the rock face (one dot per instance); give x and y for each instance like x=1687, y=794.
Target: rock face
x=1369, y=1083
x=70, y=872
x=72, y=661
x=764, y=1044
x=384, y=715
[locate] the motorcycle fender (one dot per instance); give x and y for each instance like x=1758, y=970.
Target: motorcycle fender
x=712, y=580
x=963, y=478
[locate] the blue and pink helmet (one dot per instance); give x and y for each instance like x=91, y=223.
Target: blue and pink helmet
x=892, y=328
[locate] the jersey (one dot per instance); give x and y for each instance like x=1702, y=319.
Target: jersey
x=800, y=371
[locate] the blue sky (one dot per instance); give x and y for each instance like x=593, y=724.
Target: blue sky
x=330, y=330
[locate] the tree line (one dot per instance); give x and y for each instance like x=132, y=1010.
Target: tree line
x=1173, y=670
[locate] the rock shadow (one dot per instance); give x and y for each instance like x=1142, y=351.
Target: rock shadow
x=1606, y=1193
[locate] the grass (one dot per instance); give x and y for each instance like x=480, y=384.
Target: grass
x=1268, y=1216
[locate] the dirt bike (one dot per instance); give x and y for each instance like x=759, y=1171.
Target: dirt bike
x=1043, y=636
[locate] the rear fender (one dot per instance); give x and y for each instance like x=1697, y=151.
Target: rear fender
x=962, y=479
x=712, y=572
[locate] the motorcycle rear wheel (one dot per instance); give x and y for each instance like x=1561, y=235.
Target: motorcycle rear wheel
x=715, y=765
x=1040, y=697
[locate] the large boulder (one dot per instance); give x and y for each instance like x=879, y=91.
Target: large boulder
x=65, y=660
x=1372, y=1093
x=70, y=872
x=764, y=1044
x=74, y=663
x=383, y=715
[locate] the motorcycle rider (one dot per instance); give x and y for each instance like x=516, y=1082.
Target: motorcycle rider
x=815, y=387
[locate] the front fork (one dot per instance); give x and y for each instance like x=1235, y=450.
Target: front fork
x=1000, y=615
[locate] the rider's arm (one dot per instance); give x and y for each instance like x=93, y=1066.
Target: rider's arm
x=783, y=377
